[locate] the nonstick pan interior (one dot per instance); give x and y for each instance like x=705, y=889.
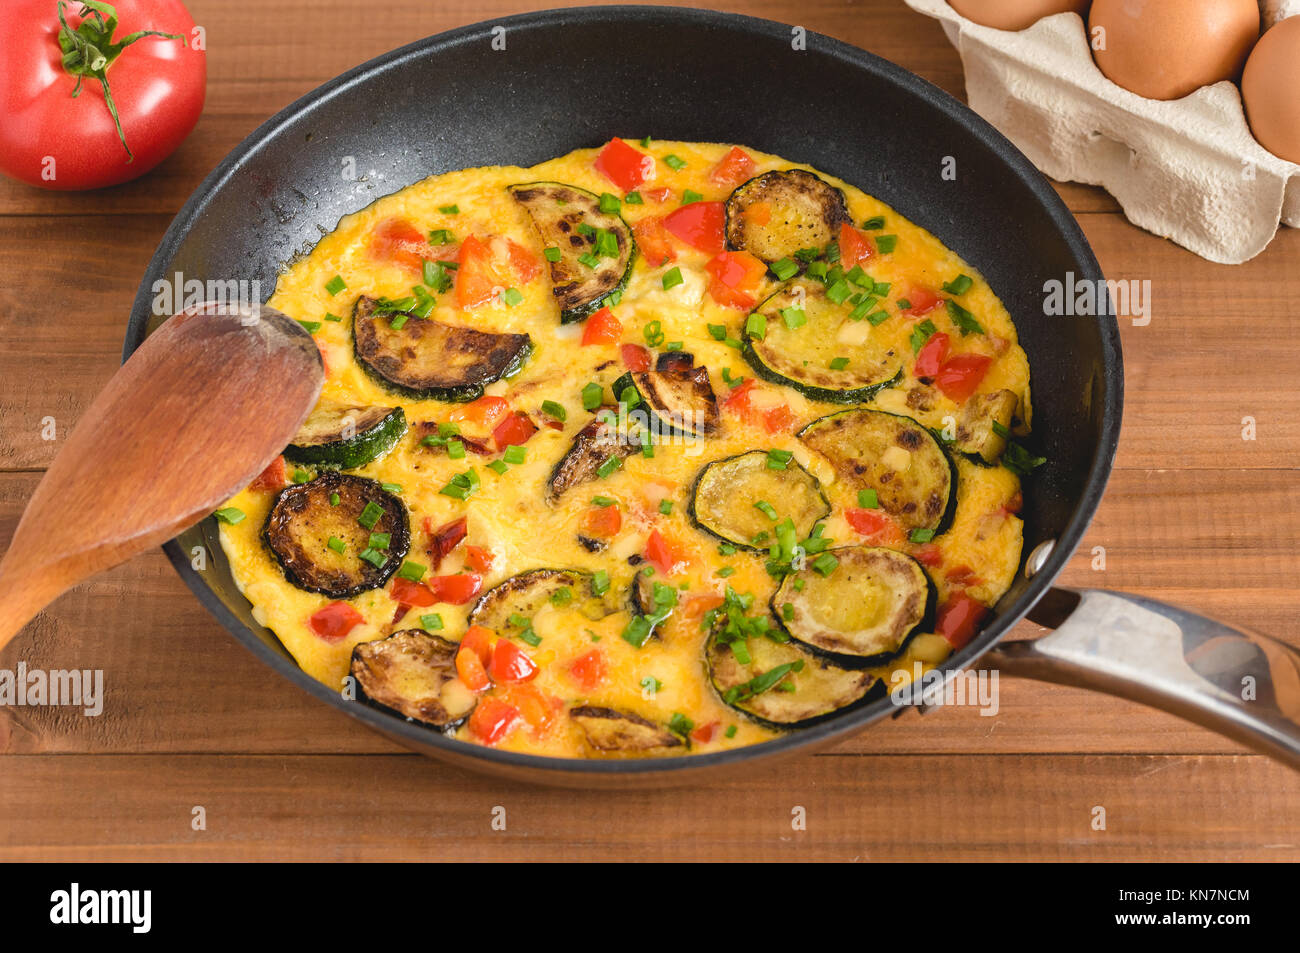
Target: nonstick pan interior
x=576, y=77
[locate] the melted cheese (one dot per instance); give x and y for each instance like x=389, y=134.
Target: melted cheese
x=508, y=515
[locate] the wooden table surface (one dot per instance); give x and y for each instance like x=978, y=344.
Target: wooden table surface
x=1194, y=515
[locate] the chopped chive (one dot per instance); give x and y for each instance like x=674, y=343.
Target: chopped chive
x=886, y=243
x=645, y=142
x=603, y=501
x=375, y=557
x=839, y=291
x=555, y=410
x=440, y=236
x=515, y=454
x=921, y=333
x=335, y=284
x=725, y=571
x=336, y=544
x=588, y=259
x=959, y=285
x=689, y=197
x=552, y=253
x=301, y=476
x=860, y=310
x=778, y=459
x=370, y=515
x=794, y=317
x=330, y=316
x=859, y=277
x=726, y=549
x=666, y=507
x=867, y=499
x=456, y=449
x=784, y=269
x=718, y=332
x=787, y=611
x=634, y=198
x=600, y=582
x=766, y=508
x=449, y=209
x=963, y=319
x=593, y=395
x=825, y=564
x=455, y=492
x=432, y=621
x=412, y=571
x=921, y=535
x=680, y=724
x=562, y=596
x=530, y=636
x=647, y=450
x=512, y=297
x=653, y=333
x=839, y=363
x=608, y=466
x=1000, y=429
x=391, y=487
x=609, y=203
x=874, y=223
x=877, y=318
x=756, y=326
x=674, y=345
x=379, y=540
x=398, y=321
x=498, y=466
x=230, y=515
x=672, y=278
x=311, y=327
x=731, y=731
x=334, y=499
x=674, y=162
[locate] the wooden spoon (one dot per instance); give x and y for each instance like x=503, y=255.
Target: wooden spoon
x=200, y=409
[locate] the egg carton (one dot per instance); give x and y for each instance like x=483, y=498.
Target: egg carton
x=1187, y=169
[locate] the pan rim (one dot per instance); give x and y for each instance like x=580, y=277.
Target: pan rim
x=422, y=739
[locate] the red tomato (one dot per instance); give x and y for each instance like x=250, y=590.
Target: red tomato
x=876, y=525
x=635, y=357
x=51, y=140
x=523, y=262
x=660, y=553
x=492, y=720
x=921, y=300
x=483, y=413
x=396, y=239
x=931, y=356
x=735, y=167
x=928, y=554
x=274, y=477
x=778, y=419
x=736, y=277
x=624, y=166
x=476, y=282
x=514, y=430
x=510, y=664
x=471, y=671
x=602, y=328
x=659, y=195
x=410, y=593
x=961, y=375
x=334, y=621
x=536, y=707
x=704, y=733
x=456, y=590
x=589, y=670
x=602, y=522
x=738, y=400
x=699, y=225
x=854, y=246
x=653, y=241
x=444, y=539
x=479, y=559
x=958, y=619
x=480, y=640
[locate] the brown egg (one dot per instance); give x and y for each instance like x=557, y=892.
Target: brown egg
x=1014, y=14
x=1270, y=87
x=1165, y=49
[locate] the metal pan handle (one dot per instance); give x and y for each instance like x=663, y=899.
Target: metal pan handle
x=1240, y=684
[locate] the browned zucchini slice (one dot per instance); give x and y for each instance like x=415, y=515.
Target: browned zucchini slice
x=806, y=212
x=913, y=476
x=523, y=594
x=426, y=358
x=676, y=397
x=727, y=492
x=346, y=435
x=608, y=729
x=985, y=424
x=590, y=268
x=780, y=684
x=304, y=519
x=414, y=674
x=808, y=356
x=866, y=606
x=592, y=445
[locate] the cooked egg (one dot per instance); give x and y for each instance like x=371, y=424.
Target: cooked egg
x=1014, y=14
x=1270, y=87
x=1167, y=49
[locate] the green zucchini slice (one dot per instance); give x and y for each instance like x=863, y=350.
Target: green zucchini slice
x=806, y=212
x=725, y=498
x=524, y=594
x=867, y=606
x=305, y=519
x=413, y=674
x=595, y=443
x=428, y=359
x=913, y=477
x=984, y=424
x=755, y=682
x=585, y=275
x=346, y=435
x=608, y=729
x=676, y=398
x=827, y=355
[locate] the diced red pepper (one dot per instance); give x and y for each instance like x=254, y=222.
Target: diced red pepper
x=961, y=375
x=733, y=168
x=510, y=664
x=590, y=670
x=624, y=166
x=704, y=733
x=513, y=431
x=274, y=477
x=699, y=225
x=537, y=708
x=397, y=240
x=921, y=300
x=653, y=242
x=659, y=195
x=335, y=621
x=602, y=328
x=523, y=262
x=635, y=357
x=471, y=671
x=760, y=213
x=735, y=279
x=876, y=525
x=959, y=618
x=410, y=593
x=602, y=522
x=444, y=539
x=456, y=590
x=962, y=576
x=931, y=356
x=479, y=559
x=778, y=419
x=738, y=400
x=483, y=413
x=480, y=640
x=492, y=720
x=855, y=247
x=476, y=282
x=660, y=553
x=928, y=554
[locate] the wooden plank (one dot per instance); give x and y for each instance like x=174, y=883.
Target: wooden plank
x=176, y=682
x=855, y=809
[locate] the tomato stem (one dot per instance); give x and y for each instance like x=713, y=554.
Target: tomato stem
x=89, y=50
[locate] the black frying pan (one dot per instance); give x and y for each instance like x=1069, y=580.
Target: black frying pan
x=570, y=78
